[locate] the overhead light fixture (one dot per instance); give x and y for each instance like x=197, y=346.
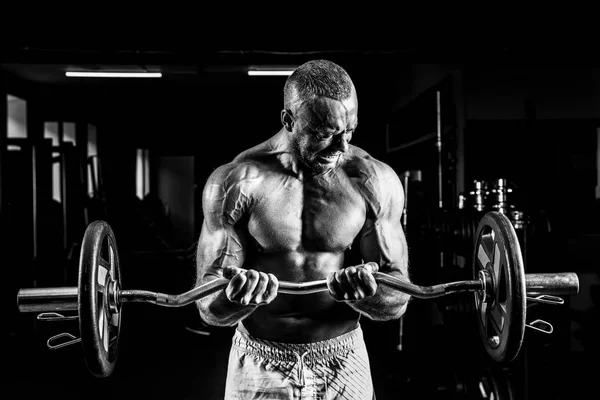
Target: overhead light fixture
x=99, y=74
x=270, y=71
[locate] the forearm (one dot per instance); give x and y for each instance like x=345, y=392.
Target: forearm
x=216, y=309
x=386, y=304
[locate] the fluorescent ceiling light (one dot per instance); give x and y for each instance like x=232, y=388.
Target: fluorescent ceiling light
x=96, y=74
x=270, y=72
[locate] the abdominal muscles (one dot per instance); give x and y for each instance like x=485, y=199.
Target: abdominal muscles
x=300, y=317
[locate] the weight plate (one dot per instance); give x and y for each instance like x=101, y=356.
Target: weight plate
x=99, y=278
x=501, y=310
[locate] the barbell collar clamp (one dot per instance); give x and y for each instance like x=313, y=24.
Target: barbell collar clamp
x=546, y=299
x=54, y=316
x=54, y=338
x=541, y=326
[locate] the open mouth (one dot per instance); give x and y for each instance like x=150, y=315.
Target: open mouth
x=329, y=158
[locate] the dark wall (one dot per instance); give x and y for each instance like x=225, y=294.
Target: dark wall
x=212, y=122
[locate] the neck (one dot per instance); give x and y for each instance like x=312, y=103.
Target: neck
x=281, y=144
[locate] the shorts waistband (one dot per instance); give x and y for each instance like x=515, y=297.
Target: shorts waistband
x=281, y=351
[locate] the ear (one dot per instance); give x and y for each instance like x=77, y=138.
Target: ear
x=286, y=120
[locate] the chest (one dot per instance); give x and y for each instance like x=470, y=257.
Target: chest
x=320, y=215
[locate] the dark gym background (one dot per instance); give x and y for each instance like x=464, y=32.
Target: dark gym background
x=505, y=116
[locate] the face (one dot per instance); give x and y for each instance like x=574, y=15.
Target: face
x=321, y=130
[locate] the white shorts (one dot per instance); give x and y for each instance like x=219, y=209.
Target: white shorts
x=337, y=368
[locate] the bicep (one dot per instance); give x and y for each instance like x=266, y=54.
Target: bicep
x=218, y=248
x=221, y=243
x=383, y=240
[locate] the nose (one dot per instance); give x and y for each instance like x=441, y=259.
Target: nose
x=340, y=143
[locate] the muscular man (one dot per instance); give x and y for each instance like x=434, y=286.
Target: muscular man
x=304, y=205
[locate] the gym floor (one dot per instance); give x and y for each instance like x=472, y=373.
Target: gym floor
x=168, y=353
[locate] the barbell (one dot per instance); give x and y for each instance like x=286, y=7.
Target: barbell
x=501, y=291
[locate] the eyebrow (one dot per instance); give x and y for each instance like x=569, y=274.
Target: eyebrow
x=329, y=128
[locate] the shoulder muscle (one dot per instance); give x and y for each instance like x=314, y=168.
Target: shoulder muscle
x=380, y=185
x=228, y=193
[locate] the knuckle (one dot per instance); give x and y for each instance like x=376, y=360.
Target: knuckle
x=273, y=279
x=252, y=275
x=240, y=277
x=233, y=296
x=370, y=267
x=270, y=297
x=263, y=278
x=365, y=276
x=237, y=283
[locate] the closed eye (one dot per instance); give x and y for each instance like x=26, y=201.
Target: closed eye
x=321, y=135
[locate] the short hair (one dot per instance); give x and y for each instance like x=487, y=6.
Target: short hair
x=317, y=78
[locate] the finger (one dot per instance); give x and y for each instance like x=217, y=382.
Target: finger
x=259, y=290
x=252, y=277
x=342, y=281
x=235, y=286
x=272, y=287
x=355, y=291
x=334, y=287
x=344, y=285
x=371, y=266
x=230, y=271
x=367, y=282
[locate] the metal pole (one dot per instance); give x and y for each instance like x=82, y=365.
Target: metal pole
x=439, y=147
x=34, y=201
x=404, y=215
x=440, y=178
x=62, y=184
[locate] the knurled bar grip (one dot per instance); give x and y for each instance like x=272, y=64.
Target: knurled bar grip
x=65, y=298
x=47, y=299
x=552, y=284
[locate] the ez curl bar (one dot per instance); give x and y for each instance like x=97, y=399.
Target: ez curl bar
x=500, y=286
